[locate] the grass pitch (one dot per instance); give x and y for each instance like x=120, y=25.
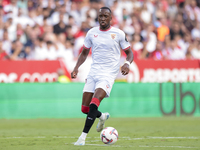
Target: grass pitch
x=166, y=133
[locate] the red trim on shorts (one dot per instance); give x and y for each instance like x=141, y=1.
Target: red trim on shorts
x=85, y=47
x=85, y=109
x=106, y=29
x=95, y=101
x=126, y=48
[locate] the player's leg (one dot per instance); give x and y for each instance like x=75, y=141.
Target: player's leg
x=90, y=107
x=106, y=84
x=94, y=104
x=88, y=90
x=86, y=99
x=92, y=114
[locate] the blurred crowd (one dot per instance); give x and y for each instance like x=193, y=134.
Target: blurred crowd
x=54, y=29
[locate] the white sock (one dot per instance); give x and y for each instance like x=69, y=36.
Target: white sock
x=83, y=135
x=102, y=117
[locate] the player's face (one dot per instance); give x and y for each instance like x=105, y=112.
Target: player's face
x=104, y=18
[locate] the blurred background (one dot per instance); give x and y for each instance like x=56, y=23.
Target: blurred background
x=40, y=41
x=51, y=29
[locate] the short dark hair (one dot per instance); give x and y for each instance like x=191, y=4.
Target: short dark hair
x=106, y=8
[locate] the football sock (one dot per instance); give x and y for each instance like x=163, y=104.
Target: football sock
x=85, y=110
x=99, y=114
x=102, y=117
x=83, y=135
x=92, y=114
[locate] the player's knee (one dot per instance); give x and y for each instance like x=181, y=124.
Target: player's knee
x=85, y=109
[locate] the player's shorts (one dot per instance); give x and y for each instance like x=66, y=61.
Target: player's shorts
x=94, y=82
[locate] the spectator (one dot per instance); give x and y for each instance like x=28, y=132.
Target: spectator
x=185, y=42
x=195, y=49
x=40, y=50
x=196, y=31
x=60, y=27
x=12, y=7
x=51, y=51
x=75, y=28
x=31, y=4
x=137, y=46
x=55, y=19
x=11, y=28
x=3, y=54
x=150, y=39
x=17, y=52
x=6, y=42
x=145, y=15
x=158, y=53
x=175, y=53
x=60, y=41
x=66, y=53
x=159, y=12
x=69, y=35
x=193, y=11
x=172, y=10
x=189, y=55
x=176, y=29
x=166, y=47
x=128, y=29
x=22, y=4
x=172, y=25
x=162, y=30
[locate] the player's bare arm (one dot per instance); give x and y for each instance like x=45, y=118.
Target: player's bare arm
x=80, y=61
x=129, y=58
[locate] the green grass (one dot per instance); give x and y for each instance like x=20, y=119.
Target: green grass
x=166, y=133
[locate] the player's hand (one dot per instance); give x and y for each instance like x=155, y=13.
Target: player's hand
x=125, y=69
x=74, y=73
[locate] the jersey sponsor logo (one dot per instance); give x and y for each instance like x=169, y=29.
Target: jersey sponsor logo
x=113, y=36
x=95, y=36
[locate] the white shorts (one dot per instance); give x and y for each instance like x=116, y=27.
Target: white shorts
x=94, y=82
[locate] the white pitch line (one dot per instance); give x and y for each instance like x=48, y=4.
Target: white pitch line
x=23, y=137
x=96, y=144
x=105, y=145
x=140, y=146
x=168, y=146
x=173, y=137
x=119, y=139
x=128, y=138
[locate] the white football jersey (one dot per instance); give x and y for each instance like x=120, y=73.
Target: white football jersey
x=106, y=46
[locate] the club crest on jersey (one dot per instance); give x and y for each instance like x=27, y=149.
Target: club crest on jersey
x=113, y=36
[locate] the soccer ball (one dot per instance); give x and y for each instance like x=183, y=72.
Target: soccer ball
x=109, y=135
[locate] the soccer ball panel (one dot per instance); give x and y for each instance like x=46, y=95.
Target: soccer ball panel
x=109, y=135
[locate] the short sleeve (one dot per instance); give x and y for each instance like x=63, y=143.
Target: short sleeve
x=87, y=42
x=123, y=41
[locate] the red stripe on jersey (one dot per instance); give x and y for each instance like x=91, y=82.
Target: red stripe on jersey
x=126, y=48
x=85, y=47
